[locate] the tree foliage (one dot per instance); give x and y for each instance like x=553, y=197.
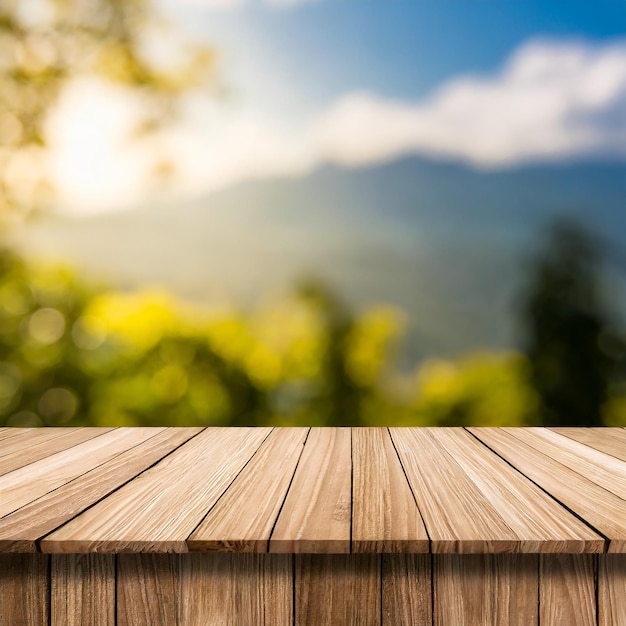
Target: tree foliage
x=44, y=44
x=71, y=354
x=570, y=345
x=75, y=354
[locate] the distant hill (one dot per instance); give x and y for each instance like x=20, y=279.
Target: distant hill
x=445, y=242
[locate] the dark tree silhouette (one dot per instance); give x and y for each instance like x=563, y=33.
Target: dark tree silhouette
x=340, y=397
x=567, y=332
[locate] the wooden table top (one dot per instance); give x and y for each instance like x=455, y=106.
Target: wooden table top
x=313, y=490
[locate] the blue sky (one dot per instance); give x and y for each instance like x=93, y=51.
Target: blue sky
x=491, y=83
x=311, y=52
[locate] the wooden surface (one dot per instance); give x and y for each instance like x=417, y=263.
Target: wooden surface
x=486, y=589
x=24, y=589
x=601, y=509
x=198, y=589
x=567, y=589
x=338, y=589
x=611, y=589
x=384, y=509
x=82, y=589
x=318, y=490
x=243, y=519
x=316, y=516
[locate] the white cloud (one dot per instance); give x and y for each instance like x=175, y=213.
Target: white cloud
x=550, y=101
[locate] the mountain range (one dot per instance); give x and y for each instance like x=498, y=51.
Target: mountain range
x=447, y=243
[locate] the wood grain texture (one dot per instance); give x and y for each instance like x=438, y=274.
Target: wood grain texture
x=385, y=517
x=406, y=590
x=28, y=483
x=601, y=509
x=158, y=510
x=600, y=468
x=24, y=438
x=486, y=589
x=24, y=590
x=540, y=523
x=236, y=590
x=148, y=589
x=8, y=432
x=567, y=589
x=458, y=517
x=83, y=590
x=21, y=452
x=243, y=518
x=608, y=440
x=338, y=589
x=20, y=530
x=611, y=589
x=316, y=514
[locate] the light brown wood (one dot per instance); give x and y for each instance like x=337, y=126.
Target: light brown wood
x=608, y=440
x=406, y=590
x=8, y=432
x=385, y=517
x=31, y=449
x=494, y=490
x=494, y=589
x=242, y=520
x=316, y=514
x=28, y=483
x=540, y=523
x=338, y=589
x=24, y=597
x=236, y=590
x=600, y=468
x=567, y=590
x=83, y=590
x=601, y=509
x=24, y=438
x=20, y=530
x=611, y=589
x=157, y=490
x=458, y=517
x=158, y=510
x=148, y=589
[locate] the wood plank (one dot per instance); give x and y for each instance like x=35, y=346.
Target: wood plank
x=19, y=531
x=83, y=590
x=608, y=440
x=316, y=513
x=567, y=590
x=25, y=451
x=158, y=510
x=611, y=589
x=243, y=518
x=148, y=589
x=26, y=437
x=602, y=510
x=338, y=589
x=236, y=590
x=600, y=468
x=385, y=517
x=458, y=517
x=9, y=431
x=24, y=589
x=407, y=590
x=540, y=523
x=498, y=589
x=28, y=483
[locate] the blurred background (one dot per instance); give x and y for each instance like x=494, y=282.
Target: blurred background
x=312, y=212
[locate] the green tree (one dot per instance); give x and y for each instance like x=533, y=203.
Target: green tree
x=567, y=330
x=44, y=45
